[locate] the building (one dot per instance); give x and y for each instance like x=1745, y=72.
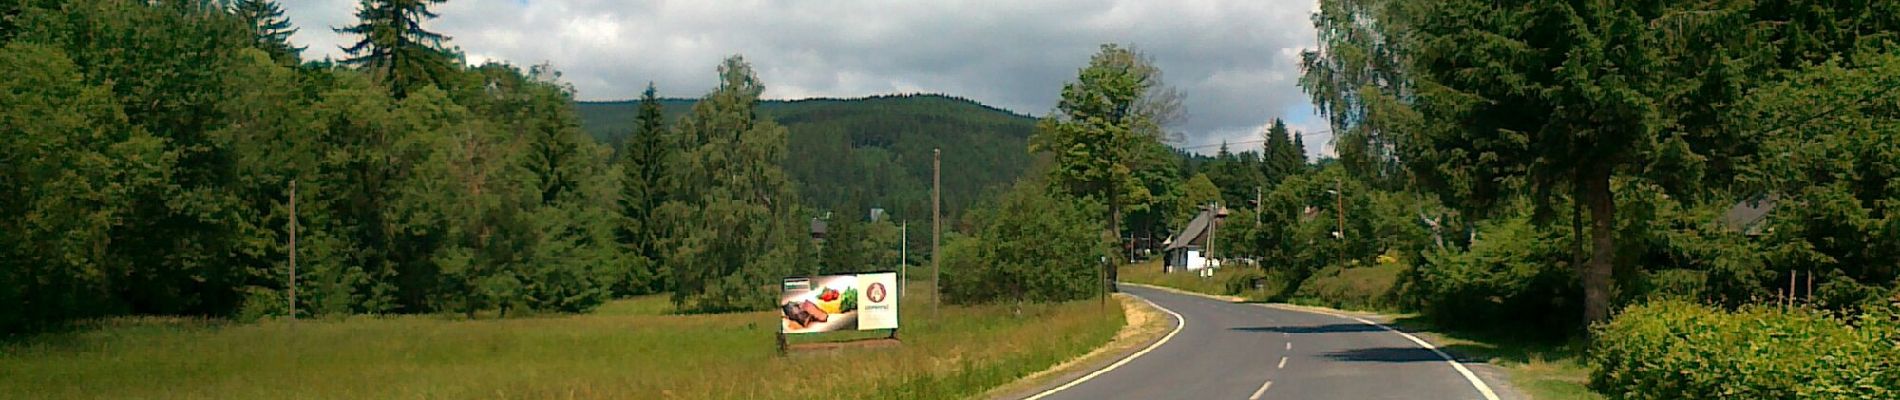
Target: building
x=1188, y=249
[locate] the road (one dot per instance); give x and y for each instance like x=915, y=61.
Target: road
x=1226, y=350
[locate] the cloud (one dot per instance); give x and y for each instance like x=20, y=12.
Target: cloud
x=1234, y=60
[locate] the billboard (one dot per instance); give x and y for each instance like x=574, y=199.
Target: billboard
x=829, y=303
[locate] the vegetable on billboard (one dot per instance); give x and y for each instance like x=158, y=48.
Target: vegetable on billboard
x=830, y=303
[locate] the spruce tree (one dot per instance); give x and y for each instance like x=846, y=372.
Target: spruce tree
x=643, y=164
x=394, y=48
x=269, y=28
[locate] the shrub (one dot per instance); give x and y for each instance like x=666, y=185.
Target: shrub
x=1032, y=246
x=1370, y=287
x=1514, y=272
x=1673, y=349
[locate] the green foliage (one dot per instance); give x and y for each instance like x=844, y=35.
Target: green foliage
x=1283, y=155
x=1680, y=350
x=1197, y=194
x=737, y=220
x=269, y=29
x=180, y=141
x=643, y=160
x=1513, y=271
x=1372, y=287
x=393, y=47
x=1103, y=128
x=71, y=169
x=1033, y=246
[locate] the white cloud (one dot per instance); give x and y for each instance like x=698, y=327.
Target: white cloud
x=1234, y=60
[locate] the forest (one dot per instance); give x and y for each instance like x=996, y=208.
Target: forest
x=161, y=156
x=874, y=152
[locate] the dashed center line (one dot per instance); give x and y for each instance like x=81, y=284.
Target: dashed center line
x=1262, y=390
x=1282, y=362
x=1289, y=345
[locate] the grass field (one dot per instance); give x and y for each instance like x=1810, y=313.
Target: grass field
x=1543, y=371
x=628, y=349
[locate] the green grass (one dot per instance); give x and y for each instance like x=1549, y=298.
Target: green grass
x=1149, y=272
x=628, y=349
x=1541, y=370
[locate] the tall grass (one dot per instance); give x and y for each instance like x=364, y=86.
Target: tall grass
x=631, y=349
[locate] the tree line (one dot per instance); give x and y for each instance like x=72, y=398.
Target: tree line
x=151, y=150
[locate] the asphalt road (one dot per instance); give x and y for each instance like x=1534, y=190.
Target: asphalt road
x=1242, y=351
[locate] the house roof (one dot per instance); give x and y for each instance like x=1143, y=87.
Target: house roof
x=1195, y=231
x=1746, y=216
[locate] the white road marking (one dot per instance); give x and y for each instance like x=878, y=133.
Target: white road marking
x=1261, y=391
x=1471, y=377
x=1180, y=322
x=1282, y=362
x=1289, y=345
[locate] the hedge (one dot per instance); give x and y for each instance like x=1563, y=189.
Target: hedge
x=1679, y=350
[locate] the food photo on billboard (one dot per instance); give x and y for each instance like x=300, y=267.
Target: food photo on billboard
x=844, y=302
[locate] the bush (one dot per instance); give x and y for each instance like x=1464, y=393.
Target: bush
x=1366, y=288
x=1031, y=246
x=1674, y=349
x=1514, y=272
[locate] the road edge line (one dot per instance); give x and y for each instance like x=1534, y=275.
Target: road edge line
x=1179, y=322
x=1476, y=383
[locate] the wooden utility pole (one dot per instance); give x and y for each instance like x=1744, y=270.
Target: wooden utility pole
x=903, y=258
x=293, y=249
x=1256, y=205
x=1339, y=194
x=936, y=228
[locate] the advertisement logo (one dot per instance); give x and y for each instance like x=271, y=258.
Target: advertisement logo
x=875, y=293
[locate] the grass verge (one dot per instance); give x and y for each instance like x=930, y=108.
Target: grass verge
x=1145, y=324
x=1541, y=370
x=629, y=349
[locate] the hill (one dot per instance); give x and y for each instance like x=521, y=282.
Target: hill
x=849, y=155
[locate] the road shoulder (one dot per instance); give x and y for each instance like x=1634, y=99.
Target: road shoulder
x=1145, y=324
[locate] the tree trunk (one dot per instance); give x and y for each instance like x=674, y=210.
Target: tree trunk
x=1597, y=274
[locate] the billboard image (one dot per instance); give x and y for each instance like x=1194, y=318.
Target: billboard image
x=829, y=303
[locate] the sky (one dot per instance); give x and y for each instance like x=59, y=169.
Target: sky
x=1235, y=61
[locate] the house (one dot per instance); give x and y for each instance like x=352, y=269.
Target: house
x=1188, y=249
x=1746, y=217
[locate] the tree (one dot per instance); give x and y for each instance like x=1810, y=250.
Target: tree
x=269, y=29
x=1484, y=101
x=393, y=46
x=1281, y=156
x=1103, y=122
x=736, y=227
x=644, y=158
x=73, y=164
x=1031, y=245
x=1198, y=193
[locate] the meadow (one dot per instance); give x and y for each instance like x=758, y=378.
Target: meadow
x=631, y=348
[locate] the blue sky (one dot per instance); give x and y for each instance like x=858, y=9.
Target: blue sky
x=1233, y=60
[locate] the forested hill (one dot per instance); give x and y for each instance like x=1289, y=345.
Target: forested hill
x=849, y=155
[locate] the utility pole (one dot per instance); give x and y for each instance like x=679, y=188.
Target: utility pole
x=1339, y=193
x=293, y=249
x=903, y=258
x=1256, y=206
x=936, y=228
x=1213, y=225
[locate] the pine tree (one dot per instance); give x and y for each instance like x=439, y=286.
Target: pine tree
x=1283, y=155
x=643, y=164
x=393, y=46
x=269, y=28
